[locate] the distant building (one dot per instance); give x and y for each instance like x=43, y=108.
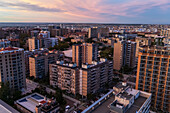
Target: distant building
x=33, y=43
x=36, y=103
x=39, y=63
x=28, y=54
x=140, y=41
x=124, y=54
x=50, y=42
x=44, y=34
x=34, y=33
x=153, y=75
x=4, y=43
x=103, y=32
x=2, y=33
x=93, y=32
x=96, y=32
x=61, y=38
x=65, y=76
x=165, y=32
x=84, y=53
x=77, y=40
x=12, y=67
x=14, y=42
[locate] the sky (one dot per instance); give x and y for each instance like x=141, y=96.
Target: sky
x=86, y=11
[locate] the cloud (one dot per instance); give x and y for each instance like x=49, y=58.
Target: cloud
x=87, y=10
x=28, y=6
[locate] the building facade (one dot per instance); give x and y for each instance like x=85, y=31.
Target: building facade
x=50, y=42
x=33, y=43
x=89, y=79
x=4, y=43
x=84, y=53
x=12, y=67
x=95, y=76
x=39, y=63
x=65, y=76
x=153, y=75
x=165, y=32
x=124, y=54
x=93, y=32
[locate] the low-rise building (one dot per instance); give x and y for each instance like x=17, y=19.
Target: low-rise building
x=36, y=103
x=129, y=100
x=122, y=99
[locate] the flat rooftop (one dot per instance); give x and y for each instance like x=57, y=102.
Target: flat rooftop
x=137, y=104
x=10, y=49
x=120, y=86
x=68, y=53
x=104, y=107
x=31, y=101
x=5, y=108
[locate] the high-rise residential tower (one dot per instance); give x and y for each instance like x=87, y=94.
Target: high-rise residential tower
x=39, y=63
x=33, y=43
x=153, y=75
x=12, y=67
x=124, y=54
x=84, y=53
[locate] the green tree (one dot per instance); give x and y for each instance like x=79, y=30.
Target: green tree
x=59, y=97
x=107, y=52
x=89, y=40
x=9, y=95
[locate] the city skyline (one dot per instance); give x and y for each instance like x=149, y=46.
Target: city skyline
x=76, y=11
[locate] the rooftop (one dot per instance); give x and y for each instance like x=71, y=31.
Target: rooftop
x=137, y=104
x=68, y=53
x=114, y=104
x=10, y=49
x=5, y=108
x=31, y=101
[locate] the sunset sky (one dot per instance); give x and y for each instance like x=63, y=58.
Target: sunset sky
x=86, y=11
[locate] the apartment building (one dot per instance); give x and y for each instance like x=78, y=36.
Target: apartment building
x=84, y=53
x=165, y=32
x=39, y=63
x=12, y=67
x=93, y=32
x=4, y=43
x=65, y=76
x=88, y=79
x=96, y=32
x=142, y=41
x=50, y=42
x=153, y=75
x=27, y=54
x=95, y=76
x=33, y=43
x=44, y=34
x=124, y=54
